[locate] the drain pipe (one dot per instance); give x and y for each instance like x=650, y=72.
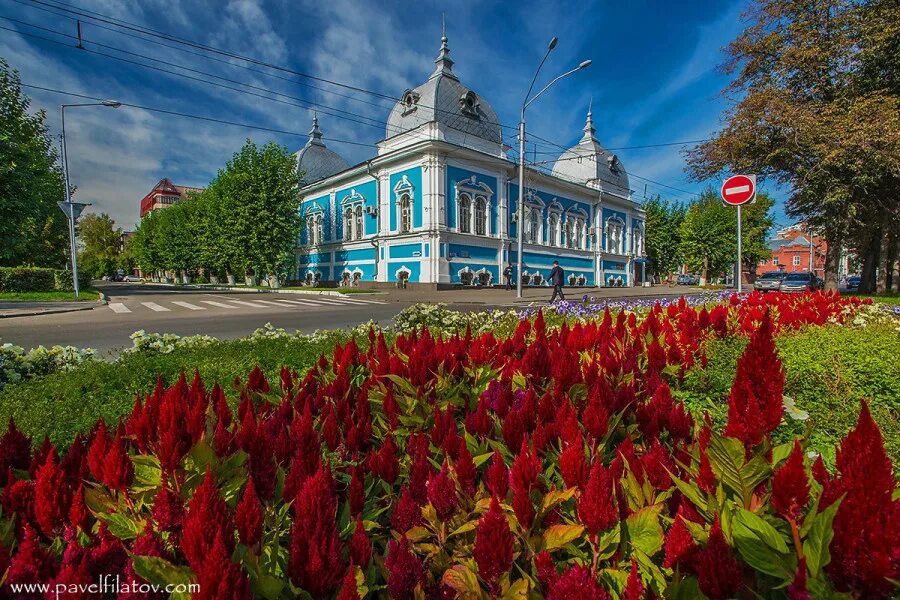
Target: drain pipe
x=374, y=241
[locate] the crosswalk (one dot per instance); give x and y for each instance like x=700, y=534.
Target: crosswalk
x=233, y=304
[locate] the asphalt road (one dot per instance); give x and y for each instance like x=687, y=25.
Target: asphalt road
x=224, y=315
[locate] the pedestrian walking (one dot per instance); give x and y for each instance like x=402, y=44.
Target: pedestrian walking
x=507, y=274
x=557, y=278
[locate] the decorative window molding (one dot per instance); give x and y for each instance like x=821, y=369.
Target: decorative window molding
x=467, y=220
x=352, y=211
x=410, y=102
x=615, y=233
x=403, y=273
x=404, y=196
x=481, y=216
x=470, y=105
x=464, y=206
x=637, y=240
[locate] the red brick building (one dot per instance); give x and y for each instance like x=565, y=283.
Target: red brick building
x=791, y=250
x=164, y=194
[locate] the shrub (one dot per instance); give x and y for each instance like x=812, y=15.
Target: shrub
x=35, y=279
x=18, y=365
x=547, y=464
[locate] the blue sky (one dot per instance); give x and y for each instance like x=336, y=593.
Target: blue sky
x=654, y=79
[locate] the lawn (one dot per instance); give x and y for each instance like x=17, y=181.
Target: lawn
x=84, y=296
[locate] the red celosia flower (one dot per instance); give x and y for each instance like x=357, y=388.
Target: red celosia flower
x=596, y=508
x=118, y=470
x=657, y=465
x=523, y=477
x=634, y=589
x=219, y=578
x=407, y=513
x=248, y=517
x=497, y=477
x=442, y=493
x=78, y=511
x=168, y=512
x=680, y=546
x=257, y=382
x=356, y=490
x=52, y=496
x=15, y=450
x=32, y=563
x=717, y=571
x=797, y=590
x=465, y=471
x=404, y=569
x=206, y=517
x=545, y=570
x=348, y=586
x=572, y=464
x=493, y=545
x=790, y=486
x=577, y=583
x=755, y=405
x=315, y=552
x=97, y=452
x=360, y=546
x=864, y=554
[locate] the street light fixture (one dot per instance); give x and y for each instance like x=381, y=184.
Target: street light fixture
x=68, y=206
x=521, y=212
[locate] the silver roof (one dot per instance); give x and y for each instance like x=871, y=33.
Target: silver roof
x=315, y=160
x=444, y=99
x=590, y=163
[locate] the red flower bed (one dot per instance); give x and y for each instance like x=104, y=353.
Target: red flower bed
x=553, y=464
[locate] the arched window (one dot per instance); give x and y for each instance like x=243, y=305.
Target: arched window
x=348, y=224
x=534, y=226
x=320, y=229
x=570, y=233
x=311, y=230
x=580, y=241
x=405, y=213
x=465, y=214
x=614, y=238
x=554, y=229
x=480, y=216
x=359, y=222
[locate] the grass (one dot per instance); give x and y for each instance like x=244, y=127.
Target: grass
x=63, y=404
x=829, y=370
x=84, y=296
x=889, y=298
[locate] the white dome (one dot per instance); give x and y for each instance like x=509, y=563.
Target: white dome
x=445, y=100
x=591, y=164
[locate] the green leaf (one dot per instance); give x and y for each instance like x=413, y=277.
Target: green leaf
x=267, y=586
x=691, y=491
x=517, y=590
x=558, y=536
x=463, y=580
x=686, y=589
x=417, y=534
x=464, y=528
x=815, y=546
x=147, y=472
x=644, y=529
x=759, y=554
x=122, y=526
x=762, y=529
x=726, y=456
x=159, y=571
x=554, y=497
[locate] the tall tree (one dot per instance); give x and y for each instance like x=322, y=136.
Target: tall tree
x=814, y=105
x=101, y=239
x=663, y=229
x=33, y=230
x=709, y=234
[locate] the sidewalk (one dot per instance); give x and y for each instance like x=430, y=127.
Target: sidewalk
x=31, y=309
x=500, y=296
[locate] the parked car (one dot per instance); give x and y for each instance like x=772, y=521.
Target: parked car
x=133, y=279
x=799, y=282
x=687, y=279
x=853, y=283
x=769, y=282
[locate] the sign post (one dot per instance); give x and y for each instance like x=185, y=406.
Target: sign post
x=737, y=191
x=72, y=210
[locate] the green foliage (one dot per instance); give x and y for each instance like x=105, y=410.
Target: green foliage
x=828, y=370
x=65, y=403
x=84, y=295
x=101, y=240
x=709, y=233
x=663, y=227
x=37, y=279
x=33, y=231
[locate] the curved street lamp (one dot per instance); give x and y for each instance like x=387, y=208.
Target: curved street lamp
x=68, y=206
x=520, y=233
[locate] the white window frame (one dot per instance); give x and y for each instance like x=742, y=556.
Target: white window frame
x=402, y=189
x=464, y=213
x=482, y=220
x=354, y=227
x=473, y=189
x=796, y=260
x=775, y=260
x=615, y=234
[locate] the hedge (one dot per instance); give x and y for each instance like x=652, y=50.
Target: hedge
x=37, y=279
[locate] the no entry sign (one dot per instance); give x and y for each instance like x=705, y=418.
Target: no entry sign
x=739, y=189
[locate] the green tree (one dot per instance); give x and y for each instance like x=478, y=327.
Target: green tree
x=709, y=234
x=101, y=239
x=33, y=231
x=815, y=104
x=663, y=227
x=260, y=221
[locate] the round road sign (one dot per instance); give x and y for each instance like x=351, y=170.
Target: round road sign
x=739, y=189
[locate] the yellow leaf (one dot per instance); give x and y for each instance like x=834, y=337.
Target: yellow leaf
x=558, y=536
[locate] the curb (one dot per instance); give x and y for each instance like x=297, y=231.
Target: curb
x=222, y=288
x=49, y=311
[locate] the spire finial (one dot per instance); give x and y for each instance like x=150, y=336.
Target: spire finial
x=315, y=134
x=443, y=61
x=589, y=121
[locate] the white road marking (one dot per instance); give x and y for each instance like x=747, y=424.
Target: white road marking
x=250, y=304
x=219, y=304
x=287, y=302
x=355, y=300
x=118, y=307
x=155, y=307
x=188, y=305
x=269, y=303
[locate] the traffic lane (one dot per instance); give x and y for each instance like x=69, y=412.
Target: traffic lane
x=106, y=331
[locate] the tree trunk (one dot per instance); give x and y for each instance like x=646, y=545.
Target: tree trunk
x=885, y=264
x=870, y=251
x=834, y=241
x=704, y=278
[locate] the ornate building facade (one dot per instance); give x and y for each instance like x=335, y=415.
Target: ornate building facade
x=438, y=203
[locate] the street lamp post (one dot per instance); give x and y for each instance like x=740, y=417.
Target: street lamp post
x=520, y=233
x=69, y=205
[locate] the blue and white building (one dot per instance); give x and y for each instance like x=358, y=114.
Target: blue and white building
x=438, y=203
